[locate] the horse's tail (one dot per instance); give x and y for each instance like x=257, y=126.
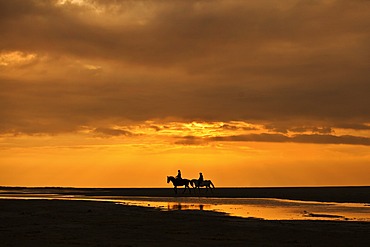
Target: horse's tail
x=211, y=183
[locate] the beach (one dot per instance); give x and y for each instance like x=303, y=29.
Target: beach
x=88, y=223
x=357, y=194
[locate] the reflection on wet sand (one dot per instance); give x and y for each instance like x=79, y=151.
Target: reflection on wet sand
x=269, y=209
x=262, y=208
x=182, y=206
x=308, y=214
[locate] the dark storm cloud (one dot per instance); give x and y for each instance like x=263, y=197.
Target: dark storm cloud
x=183, y=32
x=288, y=64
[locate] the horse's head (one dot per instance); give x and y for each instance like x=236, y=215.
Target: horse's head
x=168, y=179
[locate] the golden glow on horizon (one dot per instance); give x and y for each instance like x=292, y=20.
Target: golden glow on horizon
x=142, y=155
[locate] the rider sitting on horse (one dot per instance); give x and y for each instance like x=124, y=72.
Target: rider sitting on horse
x=200, y=179
x=178, y=177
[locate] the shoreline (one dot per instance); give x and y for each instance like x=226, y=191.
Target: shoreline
x=351, y=194
x=68, y=223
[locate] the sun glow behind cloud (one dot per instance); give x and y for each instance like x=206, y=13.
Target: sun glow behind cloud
x=16, y=58
x=138, y=155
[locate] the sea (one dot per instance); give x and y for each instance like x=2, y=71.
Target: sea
x=351, y=203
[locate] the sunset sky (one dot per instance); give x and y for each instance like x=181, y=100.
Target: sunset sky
x=108, y=93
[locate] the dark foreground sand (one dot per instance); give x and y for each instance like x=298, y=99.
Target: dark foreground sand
x=84, y=223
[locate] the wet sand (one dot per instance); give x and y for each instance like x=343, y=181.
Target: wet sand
x=84, y=223
x=357, y=194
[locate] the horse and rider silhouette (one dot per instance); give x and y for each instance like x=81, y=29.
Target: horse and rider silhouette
x=195, y=183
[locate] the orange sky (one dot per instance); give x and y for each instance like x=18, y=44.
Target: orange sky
x=124, y=93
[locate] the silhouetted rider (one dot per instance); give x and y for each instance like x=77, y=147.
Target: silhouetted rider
x=178, y=175
x=200, y=179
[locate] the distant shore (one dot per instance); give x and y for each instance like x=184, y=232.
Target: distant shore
x=359, y=194
x=59, y=223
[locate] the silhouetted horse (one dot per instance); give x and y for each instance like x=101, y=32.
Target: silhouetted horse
x=206, y=183
x=179, y=182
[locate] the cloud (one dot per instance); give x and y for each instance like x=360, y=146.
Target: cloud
x=332, y=139
x=16, y=59
x=289, y=127
x=280, y=138
x=354, y=126
x=190, y=140
x=297, y=66
x=235, y=127
x=112, y=132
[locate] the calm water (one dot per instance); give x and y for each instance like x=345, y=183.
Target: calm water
x=268, y=208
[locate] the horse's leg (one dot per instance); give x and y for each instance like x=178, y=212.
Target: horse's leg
x=175, y=189
x=186, y=186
